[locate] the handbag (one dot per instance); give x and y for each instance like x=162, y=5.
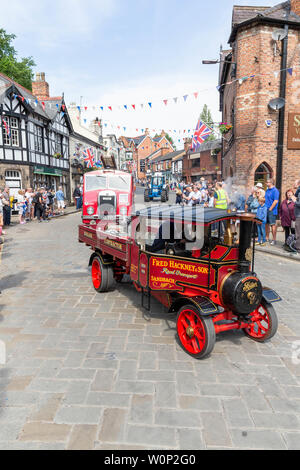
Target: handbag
x=293, y=224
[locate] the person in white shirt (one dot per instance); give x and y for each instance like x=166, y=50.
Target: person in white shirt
x=28, y=197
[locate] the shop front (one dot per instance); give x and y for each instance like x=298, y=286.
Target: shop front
x=48, y=177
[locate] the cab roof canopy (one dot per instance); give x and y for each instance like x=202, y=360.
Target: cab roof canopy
x=196, y=214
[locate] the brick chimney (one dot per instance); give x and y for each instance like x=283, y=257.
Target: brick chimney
x=187, y=144
x=40, y=88
x=295, y=6
x=162, y=134
x=147, y=131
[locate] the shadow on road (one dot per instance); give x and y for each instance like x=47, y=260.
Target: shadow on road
x=13, y=280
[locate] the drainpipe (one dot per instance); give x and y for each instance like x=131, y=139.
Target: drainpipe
x=281, y=115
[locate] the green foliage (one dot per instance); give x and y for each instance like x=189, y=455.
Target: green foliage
x=207, y=118
x=18, y=70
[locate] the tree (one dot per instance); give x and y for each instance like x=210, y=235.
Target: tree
x=19, y=71
x=207, y=118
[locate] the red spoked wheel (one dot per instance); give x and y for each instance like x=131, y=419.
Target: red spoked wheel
x=96, y=272
x=102, y=275
x=264, y=323
x=196, y=334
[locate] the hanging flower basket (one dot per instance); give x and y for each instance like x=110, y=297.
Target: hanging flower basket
x=224, y=127
x=57, y=155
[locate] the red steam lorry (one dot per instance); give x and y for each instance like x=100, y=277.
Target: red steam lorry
x=186, y=257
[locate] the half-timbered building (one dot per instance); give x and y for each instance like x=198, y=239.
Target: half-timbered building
x=34, y=139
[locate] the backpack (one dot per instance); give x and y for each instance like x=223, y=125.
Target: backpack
x=291, y=243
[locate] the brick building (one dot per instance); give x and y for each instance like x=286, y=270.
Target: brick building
x=267, y=66
x=143, y=146
x=205, y=162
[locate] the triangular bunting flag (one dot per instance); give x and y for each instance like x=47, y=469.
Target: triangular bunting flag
x=133, y=105
x=150, y=105
x=196, y=94
x=175, y=100
x=290, y=71
x=125, y=106
x=185, y=97
x=166, y=102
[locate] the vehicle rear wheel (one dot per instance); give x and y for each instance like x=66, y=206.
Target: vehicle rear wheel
x=265, y=323
x=102, y=275
x=196, y=333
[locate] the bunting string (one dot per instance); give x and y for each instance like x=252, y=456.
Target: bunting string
x=149, y=105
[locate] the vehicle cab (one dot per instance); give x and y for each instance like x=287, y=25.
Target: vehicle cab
x=106, y=193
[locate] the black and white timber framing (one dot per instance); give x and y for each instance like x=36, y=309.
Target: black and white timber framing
x=39, y=136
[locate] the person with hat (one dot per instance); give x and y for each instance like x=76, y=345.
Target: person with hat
x=260, y=190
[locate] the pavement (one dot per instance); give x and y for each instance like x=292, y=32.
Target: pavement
x=86, y=370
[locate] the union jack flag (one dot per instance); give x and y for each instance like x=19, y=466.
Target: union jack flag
x=89, y=157
x=6, y=127
x=201, y=133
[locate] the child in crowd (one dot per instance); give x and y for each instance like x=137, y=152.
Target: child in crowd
x=262, y=215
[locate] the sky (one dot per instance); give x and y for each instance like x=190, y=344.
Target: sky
x=125, y=52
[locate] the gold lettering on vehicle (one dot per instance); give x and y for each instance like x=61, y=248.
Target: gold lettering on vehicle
x=113, y=244
x=88, y=234
x=249, y=285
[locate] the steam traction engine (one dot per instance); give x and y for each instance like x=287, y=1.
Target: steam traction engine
x=195, y=270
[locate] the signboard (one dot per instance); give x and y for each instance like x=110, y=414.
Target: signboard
x=43, y=170
x=294, y=131
x=171, y=273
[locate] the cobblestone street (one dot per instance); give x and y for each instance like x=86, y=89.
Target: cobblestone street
x=94, y=371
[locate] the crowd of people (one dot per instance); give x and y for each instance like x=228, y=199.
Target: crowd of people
x=41, y=204
x=264, y=203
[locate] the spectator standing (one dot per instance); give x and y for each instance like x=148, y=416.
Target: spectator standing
x=60, y=199
x=296, y=200
x=40, y=205
x=220, y=197
x=77, y=196
x=1, y=213
x=260, y=190
x=252, y=203
x=261, y=214
x=211, y=199
x=272, y=199
x=29, y=197
x=287, y=214
x=6, y=206
x=22, y=206
x=178, y=193
x=50, y=196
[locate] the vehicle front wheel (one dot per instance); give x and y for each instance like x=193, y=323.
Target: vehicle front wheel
x=196, y=334
x=264, y=323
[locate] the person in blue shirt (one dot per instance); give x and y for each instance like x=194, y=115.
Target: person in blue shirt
x=261, y=214
x=60, y=198
x=272, y=199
